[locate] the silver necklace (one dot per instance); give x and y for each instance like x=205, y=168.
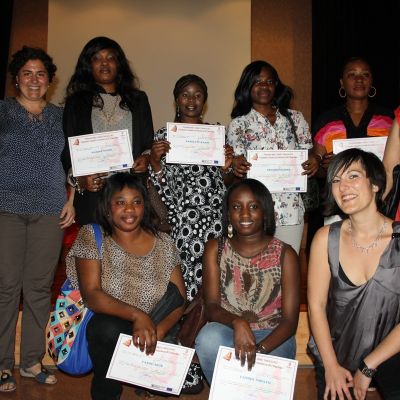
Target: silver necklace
x=110, y=116
x=366, y=249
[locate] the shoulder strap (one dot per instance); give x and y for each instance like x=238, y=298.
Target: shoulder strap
x=98, y=236
x=333, y=247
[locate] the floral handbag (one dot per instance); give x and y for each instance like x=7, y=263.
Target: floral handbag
x=66, y=332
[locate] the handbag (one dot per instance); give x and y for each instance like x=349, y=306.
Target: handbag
x=392, y=199
x=66, y=333
x=194, y=317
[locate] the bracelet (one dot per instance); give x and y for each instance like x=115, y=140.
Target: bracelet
x=74, y=182
x=261, y=349
x=368, y=372
x=227, y=172
x=320, y=157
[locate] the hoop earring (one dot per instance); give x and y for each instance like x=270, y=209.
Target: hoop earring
x=178, y=114
x=230, y=231
x=342, y=92
x=372, y=95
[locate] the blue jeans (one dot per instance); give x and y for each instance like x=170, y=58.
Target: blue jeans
x=215, y=334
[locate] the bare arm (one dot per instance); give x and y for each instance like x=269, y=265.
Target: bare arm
x=391, y=156
x=290, y=282
x=319, y=276
x=89, y=275
x=67, y=215
x=385, y=350
x=170, y=320
x=245, y=343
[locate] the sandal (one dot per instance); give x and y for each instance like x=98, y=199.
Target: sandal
x=7, y=379
x=41, y=377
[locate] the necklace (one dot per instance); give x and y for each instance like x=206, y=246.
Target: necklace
x=372, y=245
x=110, y=116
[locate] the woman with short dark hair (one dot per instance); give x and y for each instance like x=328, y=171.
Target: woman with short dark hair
x=33, y=212
x=354, y=285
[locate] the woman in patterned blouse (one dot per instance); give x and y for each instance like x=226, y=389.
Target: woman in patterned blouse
x=252, y=294
x=263, y=121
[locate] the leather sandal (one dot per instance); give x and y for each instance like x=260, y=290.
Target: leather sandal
x=41, y=377
x=7, y=379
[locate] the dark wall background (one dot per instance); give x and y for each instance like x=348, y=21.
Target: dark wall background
x=6, y=11
x=346, y=28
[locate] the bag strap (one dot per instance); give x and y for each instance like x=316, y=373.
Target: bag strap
x=98, y=236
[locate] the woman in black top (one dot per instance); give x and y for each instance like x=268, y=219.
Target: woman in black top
x=103, y=95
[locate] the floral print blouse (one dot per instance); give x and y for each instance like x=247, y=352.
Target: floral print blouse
x=253, y=131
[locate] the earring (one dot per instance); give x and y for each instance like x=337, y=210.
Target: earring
x=342, y=92
x=178, y=114
x=230, y=231
x=201, y=117
x=372, y=95
x=16, y=85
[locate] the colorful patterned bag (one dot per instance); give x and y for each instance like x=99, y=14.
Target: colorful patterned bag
x=66, y=332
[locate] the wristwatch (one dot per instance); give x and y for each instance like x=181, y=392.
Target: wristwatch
x=368, y=372
x=74, y=182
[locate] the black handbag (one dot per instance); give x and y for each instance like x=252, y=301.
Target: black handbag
x=393, y=198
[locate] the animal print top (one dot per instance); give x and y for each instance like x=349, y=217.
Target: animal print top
x=251, y=286
x=140, y=281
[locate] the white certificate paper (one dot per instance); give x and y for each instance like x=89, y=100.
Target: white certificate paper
x=164, y=371
x=271, y=378
x=374, y=145
x=199, y=144
x=100, y=152
x=279, y=170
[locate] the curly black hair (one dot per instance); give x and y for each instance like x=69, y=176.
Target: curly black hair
x=82, y=80
x=115, y=183
x=21, y=57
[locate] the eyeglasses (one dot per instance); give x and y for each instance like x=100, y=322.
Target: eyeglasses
x=267, y=82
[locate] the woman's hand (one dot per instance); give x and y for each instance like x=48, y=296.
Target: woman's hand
x=158, y=149
x=141, y=164
x=245, y=342
x=338, y=380
x=92, y=183
x=229, y=154
x=360, y=385
x=240, y=166
x=326, y=160
x=144, y=334
x=311, y=166
x=67, y=215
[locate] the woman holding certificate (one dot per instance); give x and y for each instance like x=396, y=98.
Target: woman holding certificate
x=192, y=193
x=33, y=212
x=102, y=96
x=251, y=282
x=263, y=121
x=354, y=285
x=131, y=280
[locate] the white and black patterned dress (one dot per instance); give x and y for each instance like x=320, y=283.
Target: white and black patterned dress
x=193, y=195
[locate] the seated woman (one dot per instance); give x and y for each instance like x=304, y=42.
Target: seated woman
x=354, y=284
x=123, y=284
x=252, y=293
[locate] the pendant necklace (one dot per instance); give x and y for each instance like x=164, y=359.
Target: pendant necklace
x=366, y=249
x=109, y=117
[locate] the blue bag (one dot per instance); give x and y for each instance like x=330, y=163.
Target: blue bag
x=66, y=334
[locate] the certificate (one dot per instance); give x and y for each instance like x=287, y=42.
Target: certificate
x=271, y=378
x=199, y=144
x=374, y=145
x=278, y=170
x=164, y=371
x=100, y=152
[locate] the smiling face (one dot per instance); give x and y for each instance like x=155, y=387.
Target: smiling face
x=191, y=102
x=127, y=210
x=245, y=212
x=357, y=79
x=33, y=81
x=352, y=190
x=263, y=90
x=105, y=68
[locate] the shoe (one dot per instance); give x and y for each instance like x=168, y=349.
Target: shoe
x=41, y=377
x=7, y=379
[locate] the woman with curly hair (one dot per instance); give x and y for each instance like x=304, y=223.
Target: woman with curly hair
x=103, y=95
